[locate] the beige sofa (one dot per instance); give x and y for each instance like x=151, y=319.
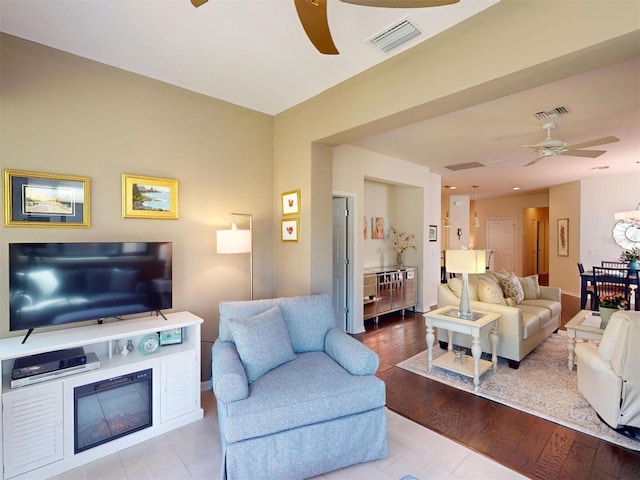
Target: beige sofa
x=529, y=315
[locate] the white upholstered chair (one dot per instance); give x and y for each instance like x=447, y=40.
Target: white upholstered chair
x=609, y=374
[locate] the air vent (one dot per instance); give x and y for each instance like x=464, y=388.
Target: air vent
x=395, y=35
x=464, y=166
x=553, y=113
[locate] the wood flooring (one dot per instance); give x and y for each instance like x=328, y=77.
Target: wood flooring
x=525, y=443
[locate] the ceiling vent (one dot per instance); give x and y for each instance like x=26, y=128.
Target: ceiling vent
x=464, y=166
x=395, y=35
x=552, y=113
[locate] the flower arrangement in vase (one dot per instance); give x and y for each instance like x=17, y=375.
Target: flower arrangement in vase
x=400, y=243
x=633, y=257
x=610, y=304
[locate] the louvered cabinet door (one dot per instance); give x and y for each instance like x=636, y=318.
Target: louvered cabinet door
x=33, y=428
x=180, y=385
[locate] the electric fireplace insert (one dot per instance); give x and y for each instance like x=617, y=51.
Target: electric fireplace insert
x=112, y=408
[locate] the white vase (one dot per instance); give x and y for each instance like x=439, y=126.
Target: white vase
x=605, y=315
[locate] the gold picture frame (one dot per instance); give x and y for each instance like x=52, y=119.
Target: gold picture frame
x=149, y=197
x=563, y=237
x=291, y=202
x=290, y=231
x=35, y=199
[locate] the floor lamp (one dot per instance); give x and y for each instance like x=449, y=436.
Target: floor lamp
x=466, y=262
x=236, y=240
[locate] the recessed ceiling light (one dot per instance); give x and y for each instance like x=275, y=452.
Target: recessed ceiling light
x=450, y=187
x=515, y=188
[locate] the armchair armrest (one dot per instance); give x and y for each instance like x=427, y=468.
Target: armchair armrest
x=355, y=357
x=228, y=376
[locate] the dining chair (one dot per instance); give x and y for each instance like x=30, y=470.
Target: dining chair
x=609, y=281
x=589, y=290
x=613, y=264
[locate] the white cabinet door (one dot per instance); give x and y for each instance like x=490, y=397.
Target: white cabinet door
x=33, y=428
x=179, y=384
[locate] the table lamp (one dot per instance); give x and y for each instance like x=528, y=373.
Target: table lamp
x=466, y=262
x=236, y=240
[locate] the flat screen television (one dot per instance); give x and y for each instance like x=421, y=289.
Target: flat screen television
x=62, y=283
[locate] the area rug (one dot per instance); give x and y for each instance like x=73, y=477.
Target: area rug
x=542, y=386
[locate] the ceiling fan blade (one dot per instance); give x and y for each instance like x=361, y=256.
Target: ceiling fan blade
x=198, y=3
x=583, y=153
x=401, y=3
x=313, y=16
x=536, y=160
x=593, y=143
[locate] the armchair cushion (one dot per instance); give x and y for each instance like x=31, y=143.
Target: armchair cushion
x=353, y=356
x=262, y=341
x=312, y=389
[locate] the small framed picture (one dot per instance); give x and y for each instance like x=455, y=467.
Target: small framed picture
x=563, y=237
x=290, y=230
x=291, y=202
x=149, y=197
x=35, y=199
x=171, y=337
x=433, y=233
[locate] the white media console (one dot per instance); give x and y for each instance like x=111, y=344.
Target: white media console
x=37, y=429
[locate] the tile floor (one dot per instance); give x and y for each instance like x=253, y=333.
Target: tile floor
x=193, y=452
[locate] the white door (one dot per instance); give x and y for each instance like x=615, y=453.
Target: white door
x=502, y=242
x=340, y=261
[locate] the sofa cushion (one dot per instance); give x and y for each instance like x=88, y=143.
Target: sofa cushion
x=530, y=287
x=533, y=318
x=229, y=310
x=455, y=284
x=490, y=293
x=262, y=342
x=554, y=307
x=310, y=389
x=512, y=288
x=308, y=319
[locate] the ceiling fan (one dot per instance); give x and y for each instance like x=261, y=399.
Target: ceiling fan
x=313, y=16
x=550, y=146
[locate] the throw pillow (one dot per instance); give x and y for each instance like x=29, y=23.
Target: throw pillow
x=512, y=288
x=531, y=287
x=455, y=285
x=490, y=293
x=262, y=341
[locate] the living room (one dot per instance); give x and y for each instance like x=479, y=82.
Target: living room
x=65, y=114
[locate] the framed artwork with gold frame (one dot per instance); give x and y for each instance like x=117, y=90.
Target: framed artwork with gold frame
x=291, y=202
x=149, y=197
x=34, y=199
x=290, y=230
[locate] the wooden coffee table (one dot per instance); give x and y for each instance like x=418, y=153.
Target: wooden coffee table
x=446, y=319
x=585, y=325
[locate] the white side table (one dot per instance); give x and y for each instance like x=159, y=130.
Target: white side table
x=447, y=319
x=583, y=325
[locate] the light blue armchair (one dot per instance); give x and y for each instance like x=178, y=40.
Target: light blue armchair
x=296, y=396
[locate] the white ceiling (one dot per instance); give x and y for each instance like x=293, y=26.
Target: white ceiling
x=254, y=53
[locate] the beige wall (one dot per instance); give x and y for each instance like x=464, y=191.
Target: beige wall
x=564, y=202
x=64, y=114
x=495, y=53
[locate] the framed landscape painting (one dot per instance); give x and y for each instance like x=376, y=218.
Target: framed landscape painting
x=34, y=199
x=149, y=197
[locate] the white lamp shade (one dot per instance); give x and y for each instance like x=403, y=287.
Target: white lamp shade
x=466, y=261
x=233, y=241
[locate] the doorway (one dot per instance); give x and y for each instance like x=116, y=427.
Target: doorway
x=342, y=264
